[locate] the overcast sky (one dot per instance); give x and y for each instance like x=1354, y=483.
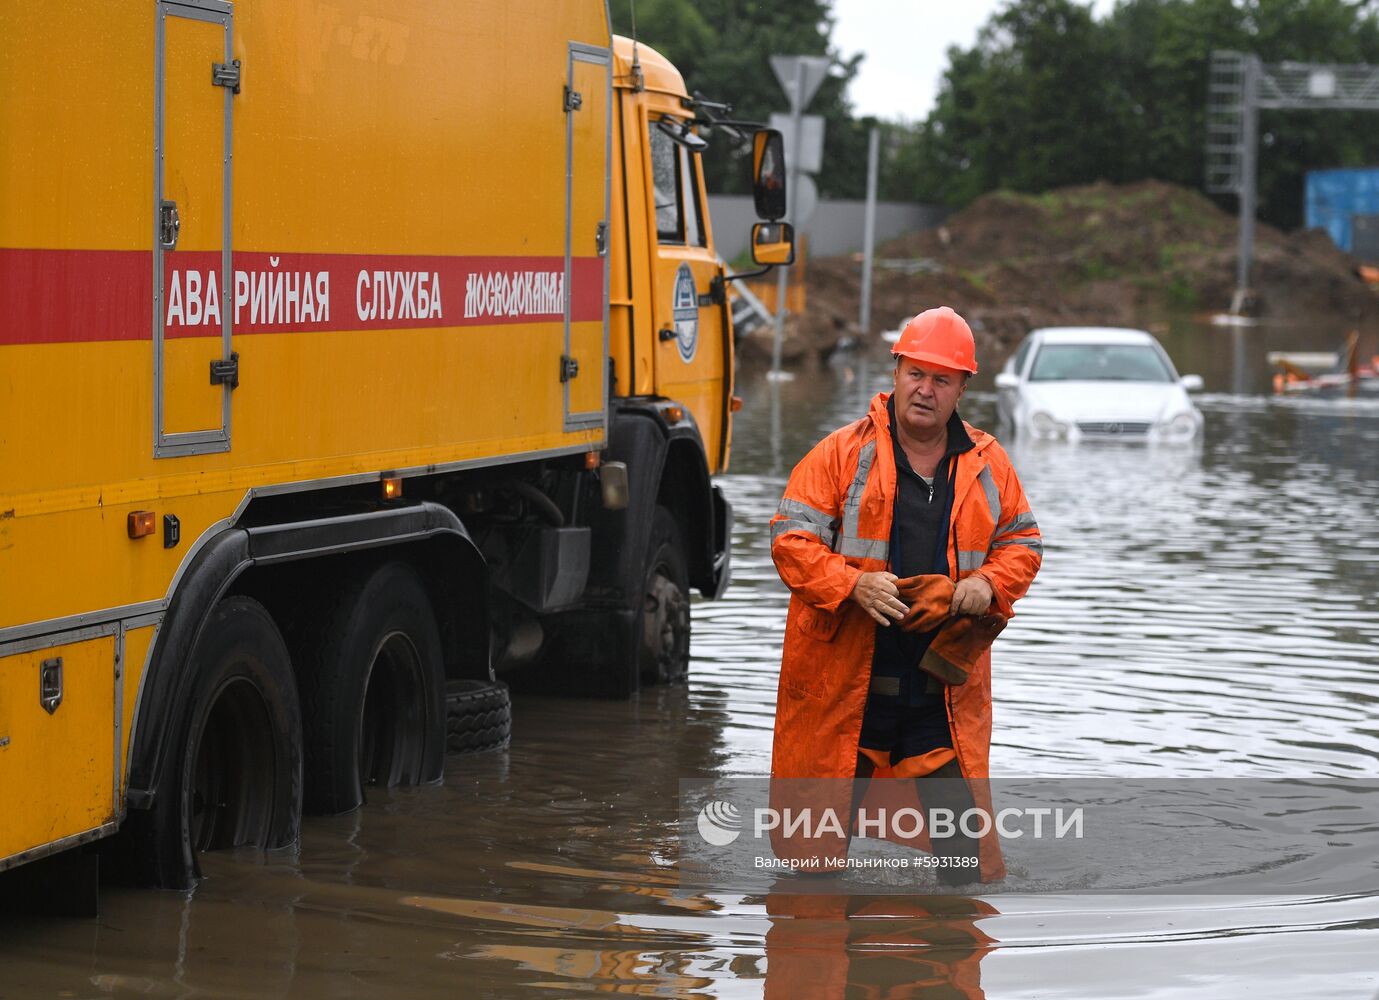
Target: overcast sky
x=906, y=44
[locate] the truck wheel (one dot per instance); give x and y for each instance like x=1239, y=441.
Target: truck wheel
x=236, y=777
x=664, y=654
x=372, y=685
x=478, y=716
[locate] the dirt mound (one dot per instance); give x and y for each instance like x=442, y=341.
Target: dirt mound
x=1102, y=254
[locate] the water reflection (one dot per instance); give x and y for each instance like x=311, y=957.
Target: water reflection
x=888, y=946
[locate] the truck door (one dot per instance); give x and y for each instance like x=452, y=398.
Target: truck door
x=693, y=364
x=584, y=366
x=194, y=368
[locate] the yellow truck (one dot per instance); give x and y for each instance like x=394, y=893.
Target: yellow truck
x=351, y=354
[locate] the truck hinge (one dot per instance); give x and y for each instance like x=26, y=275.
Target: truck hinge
x=716, y=295
x=573, y=100
x=226, y=75
x=569, y=367
x=226, y=371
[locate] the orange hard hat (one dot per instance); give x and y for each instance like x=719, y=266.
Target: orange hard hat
x=941, y=337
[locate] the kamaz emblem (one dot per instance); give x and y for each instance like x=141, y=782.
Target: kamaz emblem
x=685, y=311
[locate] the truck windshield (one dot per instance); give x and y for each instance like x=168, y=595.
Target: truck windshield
x=1099, y=363
x=674, y=177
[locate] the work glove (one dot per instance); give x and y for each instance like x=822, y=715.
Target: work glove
x=961, y=639
x=929, y=599
x=960, y=643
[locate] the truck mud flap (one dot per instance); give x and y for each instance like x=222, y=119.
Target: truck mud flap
x=722, y=544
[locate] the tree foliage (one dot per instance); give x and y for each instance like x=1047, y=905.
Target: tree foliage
x=1050, y=96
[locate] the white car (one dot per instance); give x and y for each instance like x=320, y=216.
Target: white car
x=1071, y=383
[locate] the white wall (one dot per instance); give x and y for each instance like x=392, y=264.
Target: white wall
x=836, y=227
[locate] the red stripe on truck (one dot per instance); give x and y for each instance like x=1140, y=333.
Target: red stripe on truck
x=79, y=296
x=73, y=296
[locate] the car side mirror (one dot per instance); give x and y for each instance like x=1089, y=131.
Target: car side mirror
x=768, y=174
x=1007, y=380
x=1192, y=383
x=773, y=243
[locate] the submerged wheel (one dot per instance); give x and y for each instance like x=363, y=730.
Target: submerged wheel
x=663, y=656
x=236, y=777
x=226, y=807
x=372, y=684
x=478, y=716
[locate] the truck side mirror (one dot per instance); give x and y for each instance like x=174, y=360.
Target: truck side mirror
x=773, y=243
x=768, y=174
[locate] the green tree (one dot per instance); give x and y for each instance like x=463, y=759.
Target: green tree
x=1163, y=48
x=1050, y=96
x=1025, y=106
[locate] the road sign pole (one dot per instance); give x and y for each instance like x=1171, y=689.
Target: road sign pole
x=869, y=231
x=793, y=177
x=799, y=77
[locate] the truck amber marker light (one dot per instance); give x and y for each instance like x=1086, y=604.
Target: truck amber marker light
x=141, y=523
x=392, y=487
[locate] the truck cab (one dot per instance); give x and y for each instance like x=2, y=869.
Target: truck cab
x=669, y=330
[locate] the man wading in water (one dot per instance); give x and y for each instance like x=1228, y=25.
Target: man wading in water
x=905, y=539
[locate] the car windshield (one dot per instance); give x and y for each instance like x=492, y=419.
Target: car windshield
x=1099, y=363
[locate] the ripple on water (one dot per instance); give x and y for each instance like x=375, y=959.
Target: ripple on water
x=1216, y=602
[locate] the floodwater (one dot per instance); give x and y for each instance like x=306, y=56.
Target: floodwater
x=1204, y=611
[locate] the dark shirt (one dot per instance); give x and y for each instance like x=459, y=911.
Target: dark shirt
x=919, y=544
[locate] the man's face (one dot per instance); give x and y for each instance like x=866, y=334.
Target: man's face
x=926, y=395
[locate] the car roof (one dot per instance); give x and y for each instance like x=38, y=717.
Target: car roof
x=1092, y=335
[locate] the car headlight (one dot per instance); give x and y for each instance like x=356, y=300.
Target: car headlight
x=1183, y=425
x=1045, y=425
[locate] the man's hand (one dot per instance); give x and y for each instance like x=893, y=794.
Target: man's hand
x=877, y=594
x=972, y=596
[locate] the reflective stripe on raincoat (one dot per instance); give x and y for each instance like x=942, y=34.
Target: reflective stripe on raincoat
x=833, y=524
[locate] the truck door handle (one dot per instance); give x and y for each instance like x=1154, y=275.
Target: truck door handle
x=169, y=225
x=50, y=684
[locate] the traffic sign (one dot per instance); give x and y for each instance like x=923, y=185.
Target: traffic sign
x=811, y=71
x=809, y=157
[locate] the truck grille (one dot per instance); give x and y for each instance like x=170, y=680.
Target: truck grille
x=1114, y=428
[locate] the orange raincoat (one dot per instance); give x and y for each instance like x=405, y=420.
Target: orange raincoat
x=834, y=524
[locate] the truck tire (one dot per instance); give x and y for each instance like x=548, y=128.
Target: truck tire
x=235, y=775
x=478, y=716
x=663, y=654
x=372, y=681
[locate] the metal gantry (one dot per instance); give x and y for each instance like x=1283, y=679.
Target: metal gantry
x=1238, y=86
